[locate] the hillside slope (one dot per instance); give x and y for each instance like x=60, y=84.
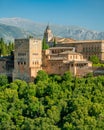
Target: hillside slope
x=10, y=32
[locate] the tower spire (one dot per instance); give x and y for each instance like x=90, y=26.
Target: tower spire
x=48, y=27
x=48, y=33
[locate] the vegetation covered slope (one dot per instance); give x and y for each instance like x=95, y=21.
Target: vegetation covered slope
x=52, y=103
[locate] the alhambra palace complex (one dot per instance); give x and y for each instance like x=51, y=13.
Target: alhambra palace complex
x=67, y=55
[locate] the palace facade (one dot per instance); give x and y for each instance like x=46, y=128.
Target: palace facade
x=58, y=60
x=87, y=48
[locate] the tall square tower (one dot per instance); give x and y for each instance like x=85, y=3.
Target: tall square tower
x=27, y=58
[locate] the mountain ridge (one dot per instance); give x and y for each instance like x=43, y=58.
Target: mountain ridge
x=22, y=28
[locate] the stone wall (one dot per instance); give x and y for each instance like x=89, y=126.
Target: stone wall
x=6, y=66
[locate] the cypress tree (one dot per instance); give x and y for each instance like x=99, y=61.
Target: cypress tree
x=54, y=43
x=5, y=49
x=44, y=44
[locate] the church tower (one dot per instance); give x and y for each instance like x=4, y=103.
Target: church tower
x=48, y=34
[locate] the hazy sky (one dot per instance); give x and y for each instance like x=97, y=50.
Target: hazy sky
x=84, y=13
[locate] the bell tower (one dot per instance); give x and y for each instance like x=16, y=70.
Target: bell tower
x=48, y=34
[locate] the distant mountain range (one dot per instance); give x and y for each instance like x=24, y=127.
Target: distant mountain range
x=11, y=28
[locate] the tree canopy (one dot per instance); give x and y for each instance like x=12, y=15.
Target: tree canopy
x=5, y=49
x=53, y=102
x=94, y=59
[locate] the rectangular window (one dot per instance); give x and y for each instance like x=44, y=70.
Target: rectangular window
x=21, y=54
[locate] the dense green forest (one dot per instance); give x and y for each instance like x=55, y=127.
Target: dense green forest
x=5, y=49
x=52, y=102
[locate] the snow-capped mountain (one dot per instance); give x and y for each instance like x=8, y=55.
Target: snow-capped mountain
x=11, y=28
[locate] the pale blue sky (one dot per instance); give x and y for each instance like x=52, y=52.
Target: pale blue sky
x=84, y=13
